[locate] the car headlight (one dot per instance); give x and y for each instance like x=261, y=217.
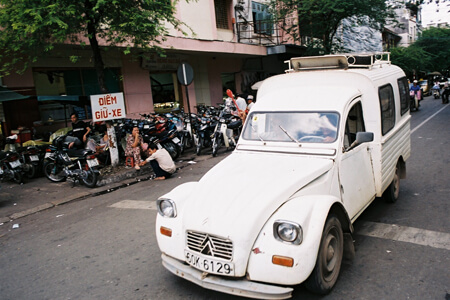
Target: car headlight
x=288, y=232
x=166, y=208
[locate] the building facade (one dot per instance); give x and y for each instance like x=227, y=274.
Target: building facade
x=227, y=49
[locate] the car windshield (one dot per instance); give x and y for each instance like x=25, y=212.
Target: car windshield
x=298, y=127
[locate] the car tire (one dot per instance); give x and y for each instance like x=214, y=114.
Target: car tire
x=329, y=258
x=391, y=194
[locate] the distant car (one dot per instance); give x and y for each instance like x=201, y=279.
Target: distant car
x=424, y=87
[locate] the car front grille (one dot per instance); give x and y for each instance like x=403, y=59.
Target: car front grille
x=210, y=245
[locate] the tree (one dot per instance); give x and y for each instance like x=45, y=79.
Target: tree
x=320, y=19
x=436, y=42
x=31, y=29
x=431, y=52
x=411, y=59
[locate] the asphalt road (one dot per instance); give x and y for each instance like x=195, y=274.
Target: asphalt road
x=105, y=247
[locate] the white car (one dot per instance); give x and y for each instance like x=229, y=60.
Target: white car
x=279, y=210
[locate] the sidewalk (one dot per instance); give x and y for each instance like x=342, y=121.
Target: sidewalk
x=37, y=194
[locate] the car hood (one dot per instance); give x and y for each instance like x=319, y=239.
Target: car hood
x=236, y=197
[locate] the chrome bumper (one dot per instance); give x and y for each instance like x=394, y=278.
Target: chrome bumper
x=241, y=287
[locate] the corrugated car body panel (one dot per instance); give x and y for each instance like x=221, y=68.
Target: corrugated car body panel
x=396, y=145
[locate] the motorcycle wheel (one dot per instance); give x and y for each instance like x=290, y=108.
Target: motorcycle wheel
x=199, y=146
x=51, y=171
x=91, y=179
x=32, y=170
x=188, y=143
x=216, y=145
x=18, y=177
x=173, y=149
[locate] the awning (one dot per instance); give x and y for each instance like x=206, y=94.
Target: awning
x=8, y=95
x=58, y=98
x=64, y=100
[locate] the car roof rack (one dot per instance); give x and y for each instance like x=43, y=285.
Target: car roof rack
x=338, y=61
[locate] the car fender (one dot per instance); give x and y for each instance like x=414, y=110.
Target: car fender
x=174, y=245
x=310, y=212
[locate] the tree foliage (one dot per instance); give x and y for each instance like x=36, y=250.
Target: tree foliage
x=411, y=59
x=320, y=19
x=431, y=52
x=436, y=42
x=32, y=28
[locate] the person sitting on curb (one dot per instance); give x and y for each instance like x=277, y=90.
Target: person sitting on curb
x=135, y=145
x=160, y=161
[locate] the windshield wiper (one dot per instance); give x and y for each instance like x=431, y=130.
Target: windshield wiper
x=254, y=130
x=287, y=133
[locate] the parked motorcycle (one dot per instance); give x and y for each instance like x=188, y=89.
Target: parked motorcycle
x=204, y=132
x=223, y=132
x=164, y=135
x=77, y=164
x=10, y=166
x=31, y=158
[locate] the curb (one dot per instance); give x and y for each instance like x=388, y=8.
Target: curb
x=146, y=173
x=85, y=194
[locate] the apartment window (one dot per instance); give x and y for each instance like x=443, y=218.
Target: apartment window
x=387, y=107
x=262, y=18
x=222, y=13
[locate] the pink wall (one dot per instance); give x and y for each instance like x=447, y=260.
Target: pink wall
x=137, y=88
x=16, y=80
x=215, y=68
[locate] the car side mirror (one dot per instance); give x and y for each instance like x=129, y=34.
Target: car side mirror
x=361, y=137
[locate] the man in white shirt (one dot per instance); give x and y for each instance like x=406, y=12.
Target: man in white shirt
x=241, y=103
x=160, y=161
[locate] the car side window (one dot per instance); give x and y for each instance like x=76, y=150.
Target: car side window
x=387, y=107
x=404, y=94
x=353, y=124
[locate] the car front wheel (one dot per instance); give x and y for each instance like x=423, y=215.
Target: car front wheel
x=329, y=258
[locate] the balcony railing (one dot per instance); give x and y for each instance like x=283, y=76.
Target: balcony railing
x=263, y=33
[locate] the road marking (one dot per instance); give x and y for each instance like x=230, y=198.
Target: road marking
x=134, y=204
x=393, y=232
x=428, y=119
x=413, y=235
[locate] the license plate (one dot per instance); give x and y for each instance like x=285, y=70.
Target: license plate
x=176, y=140
x=48, y=154
x=92, y=162
x=209, y=265
x=34, y=158
x=15, y=164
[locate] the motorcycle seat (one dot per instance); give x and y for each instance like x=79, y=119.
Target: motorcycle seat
x=79, y=152
x=235, y=124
